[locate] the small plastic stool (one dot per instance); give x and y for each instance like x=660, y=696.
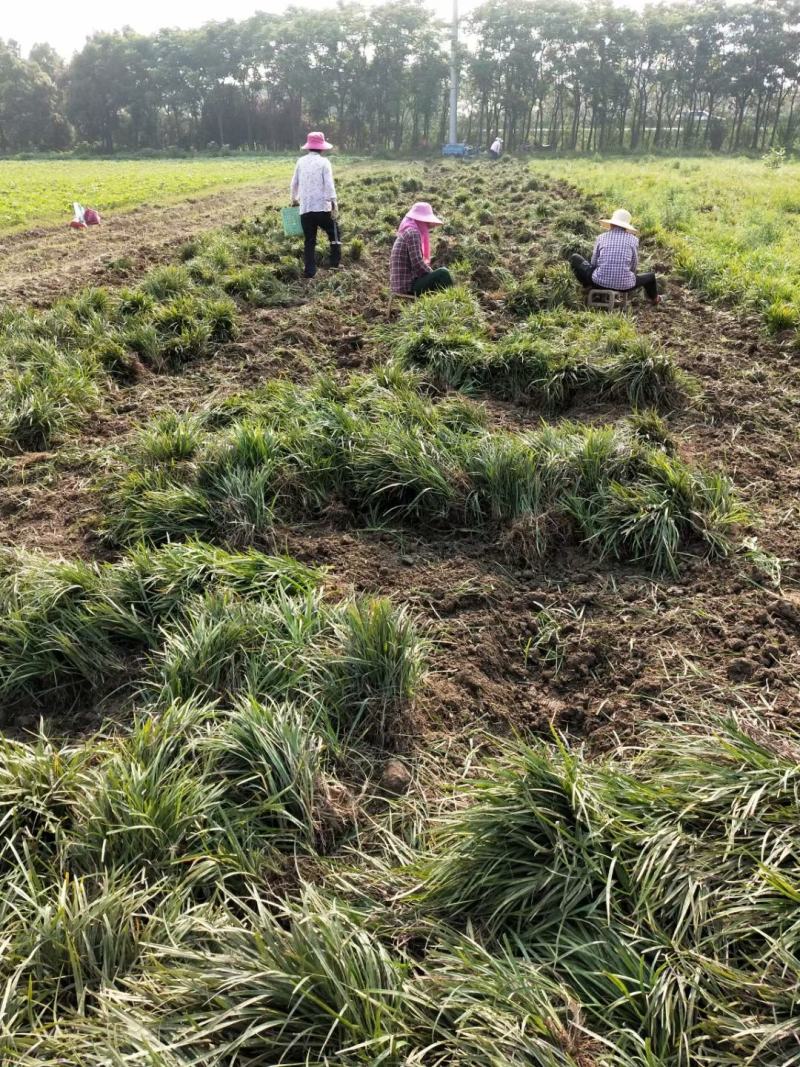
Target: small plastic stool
x=606, y=299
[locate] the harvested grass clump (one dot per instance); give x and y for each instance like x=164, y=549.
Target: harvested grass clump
x=545, y=287
x=555, y=359
x=65, y=623
x=667, y=872
x=390, y=455
x=216, y=625
x=45, y=392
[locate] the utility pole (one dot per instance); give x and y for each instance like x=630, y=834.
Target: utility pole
x=454, y=77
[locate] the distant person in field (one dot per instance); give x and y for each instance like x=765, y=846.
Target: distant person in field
x=313, y=190
x=615, y=259
x=410, y=270
x=496, y=149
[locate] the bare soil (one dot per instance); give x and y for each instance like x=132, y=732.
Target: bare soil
x=632, y=647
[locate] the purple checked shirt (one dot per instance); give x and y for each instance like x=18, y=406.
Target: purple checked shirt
x=615, y=259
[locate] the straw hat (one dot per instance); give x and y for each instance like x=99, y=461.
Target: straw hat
x=621, y=218
x=423, y=212
x=315, y=142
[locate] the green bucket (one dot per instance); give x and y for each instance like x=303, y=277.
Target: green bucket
x=291, y=221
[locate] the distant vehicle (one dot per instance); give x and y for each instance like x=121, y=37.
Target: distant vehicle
x=460, y=151
x=698, y=116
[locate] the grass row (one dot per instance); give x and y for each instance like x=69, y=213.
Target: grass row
x=377, y=449
x=557, y=357
x=638, y=911
x=193, y=621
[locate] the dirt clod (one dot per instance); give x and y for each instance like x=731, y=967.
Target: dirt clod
x=395, y=778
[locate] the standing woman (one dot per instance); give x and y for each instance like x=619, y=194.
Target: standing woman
x=313, y=190
x=410, y=270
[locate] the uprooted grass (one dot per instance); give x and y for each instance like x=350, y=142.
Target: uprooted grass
x=376, y=447
x=555, y=359
x=664, y=877
x=199, y=622
x=632, y=911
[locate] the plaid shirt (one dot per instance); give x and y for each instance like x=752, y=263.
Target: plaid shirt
x=615, y=259
x=406, y=264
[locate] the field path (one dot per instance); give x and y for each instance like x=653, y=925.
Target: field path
x=39, y=265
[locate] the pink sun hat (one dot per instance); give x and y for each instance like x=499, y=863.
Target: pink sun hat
x=316, y=142
x=423, y=212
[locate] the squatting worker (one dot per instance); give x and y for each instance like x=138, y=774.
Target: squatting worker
x=314, y=191
x=497, y=148
x=410, y=268
x=615, y=259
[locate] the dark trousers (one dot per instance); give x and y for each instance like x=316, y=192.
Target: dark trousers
x=582, y=269
x=312, y=221
x=429, y=283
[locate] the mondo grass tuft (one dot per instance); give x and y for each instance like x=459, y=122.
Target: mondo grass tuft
x=215, y=625
x=390, y=455
x=557, y=358
x=655, y=885
x=64, y=623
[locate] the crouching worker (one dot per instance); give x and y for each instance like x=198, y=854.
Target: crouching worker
x=410, y=270
x=313, y=190
x=615, y=259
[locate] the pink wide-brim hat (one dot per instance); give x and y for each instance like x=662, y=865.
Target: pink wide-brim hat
x=316, y=142
x=422, y=212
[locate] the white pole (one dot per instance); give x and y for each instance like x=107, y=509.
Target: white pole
x=454, y=77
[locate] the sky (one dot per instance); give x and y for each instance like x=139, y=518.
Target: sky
x=65, y=25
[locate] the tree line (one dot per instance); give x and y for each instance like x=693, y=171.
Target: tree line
x=569, y=74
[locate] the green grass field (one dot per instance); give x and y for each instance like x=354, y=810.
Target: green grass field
x=42, y=191
x=732, y=224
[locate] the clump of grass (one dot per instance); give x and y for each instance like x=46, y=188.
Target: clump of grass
x=45, y=393
x=377, y=445
x=545, y=287
x=355, y=249
x=554, y=862
x=575, y=222
x=66, y=624
x=644, y=867
x=651, y=428
x=556, y=358
x=782, y=315
x=165, y=283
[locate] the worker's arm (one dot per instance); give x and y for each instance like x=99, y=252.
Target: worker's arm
x=294, y=189
x=635, y=256
x=418, y=264
x=596, y=253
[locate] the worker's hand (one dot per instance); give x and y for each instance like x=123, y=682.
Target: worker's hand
x=334, y=211
x=295, y=203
